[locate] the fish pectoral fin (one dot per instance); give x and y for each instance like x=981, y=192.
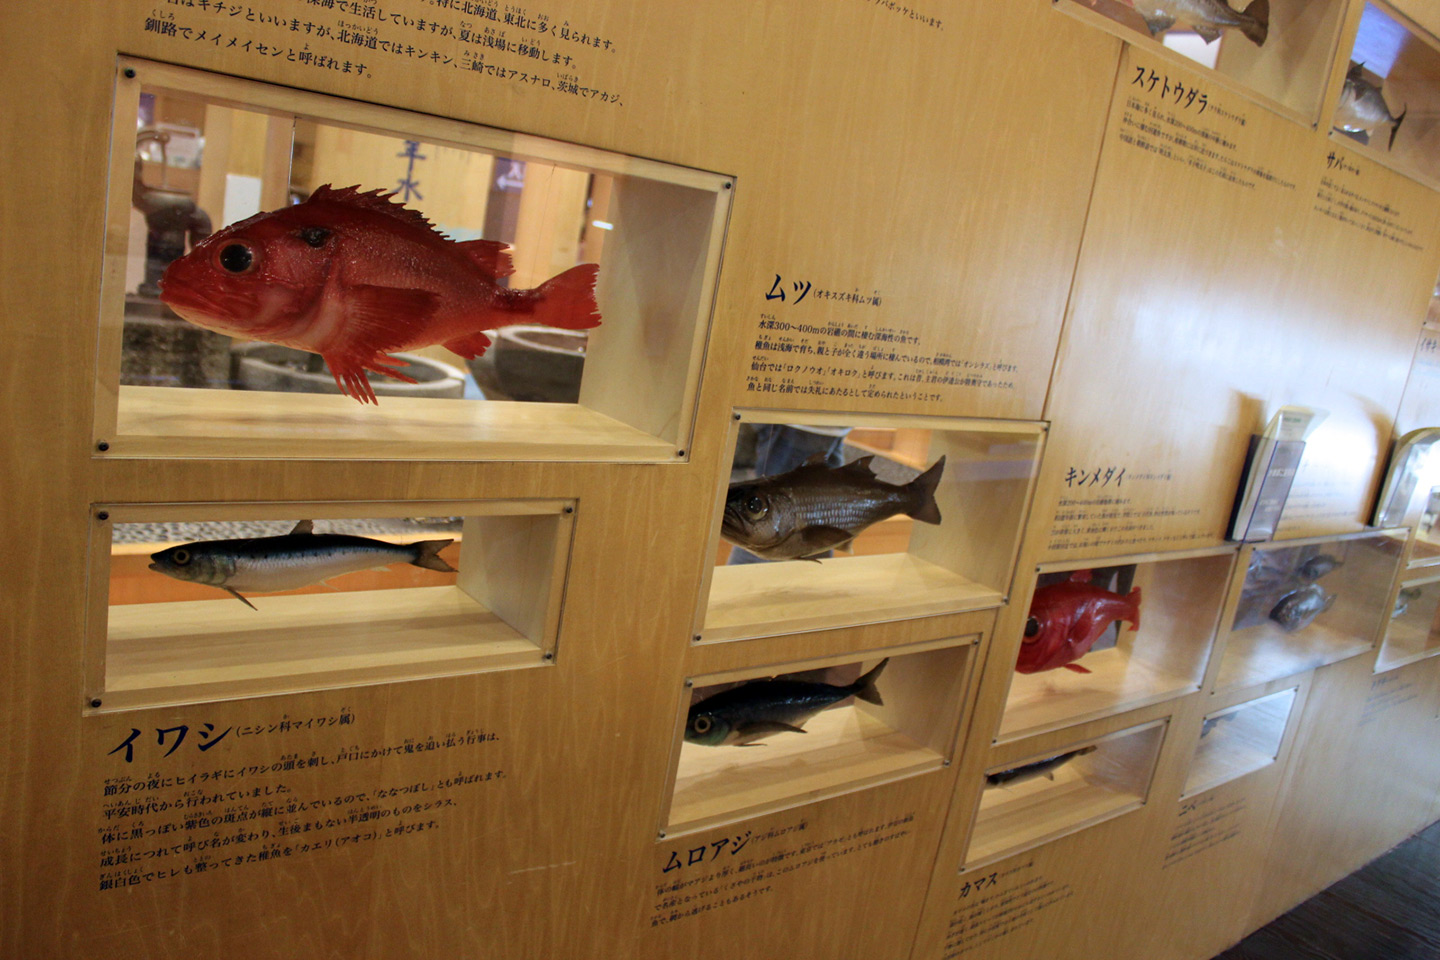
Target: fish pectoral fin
x=1208, y=33
x=751, y=732
x=377, y=320
x=1077, y=668
x=303, y=527
x=820, y=539
x=236, y=594
x=1159, y=23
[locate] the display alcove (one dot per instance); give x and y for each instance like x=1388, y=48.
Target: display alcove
x=1299, y=604
x=1037, y=795
x=897, y=569
x=153, y=639
x=1413, y=632
x=1239, y=739
x=1180, y=599
x=1393, y=73
x=849, y=745
x=1289, y=69
x=212, y=150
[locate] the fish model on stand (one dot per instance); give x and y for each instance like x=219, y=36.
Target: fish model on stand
x=1298, y=609
x=297, y=559
x=1067, y=618
x=1208, y=18
x=1362, y=108
x=354, y=277
x=762, y=708
x=815, y=508
x=1034, y=771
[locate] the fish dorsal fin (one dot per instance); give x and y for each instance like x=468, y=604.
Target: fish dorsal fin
x=492, y=256
x=1356, y=71
x=861, y=467
x=1208, y=34
x=1081, y=576
x=376, y=201
x=304, y=526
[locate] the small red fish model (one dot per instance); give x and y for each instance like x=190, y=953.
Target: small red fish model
x=354, y=277
x=1067, y=618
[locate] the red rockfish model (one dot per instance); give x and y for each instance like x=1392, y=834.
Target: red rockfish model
x=1067, y=618
x=354, y=277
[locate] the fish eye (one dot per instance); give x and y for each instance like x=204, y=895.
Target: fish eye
x=755, y=508
x=315, y=236
x=181, y=557
x=1032, y=626
x=702, y=724
x=236, y=258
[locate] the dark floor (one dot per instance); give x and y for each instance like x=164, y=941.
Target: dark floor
x=1388, y=910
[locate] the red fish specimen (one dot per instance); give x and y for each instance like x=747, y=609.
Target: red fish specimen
x=1067, y=618
x=354, y=277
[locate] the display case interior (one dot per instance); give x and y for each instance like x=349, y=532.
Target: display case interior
x=911, y=536
x=1239, y=740
x=753, y=741
x=1300, y=604
x=1391, y=93
x=1042, y=796
x=1413, y=632
x=1425, y=544
x=196, y=602
x=503, y=345
x=1155, y=617
x=1278, y=49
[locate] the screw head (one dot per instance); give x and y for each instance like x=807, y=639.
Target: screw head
x=548, y=655
x=662, y=834
x=735, y=416
x=129, y=73
x=728, y=184
x=697, y=638
x=102, y=446
x=569, y=509
x=679, y=453
x=102, y=515
x=689, y=682
x=94, y=701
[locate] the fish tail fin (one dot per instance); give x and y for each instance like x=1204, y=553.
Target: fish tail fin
x=427, y=555
x=1396, y=128
x=1134, y=599
x=864, y=688
x=922, y=493
x=1257, y=22
x=566, y=301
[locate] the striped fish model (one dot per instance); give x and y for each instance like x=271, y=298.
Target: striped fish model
x=298, y=559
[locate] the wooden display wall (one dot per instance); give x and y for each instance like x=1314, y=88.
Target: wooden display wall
x=1023, y=234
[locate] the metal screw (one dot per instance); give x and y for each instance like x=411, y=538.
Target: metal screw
x=95, y=701
x=697, y=638
x=548, y=655
x=689, y=682
x=569, y=509
x=947, y=761
x=679, y=453
x=102, y=446
x=662, y=834
x=728, y=184
x=103, y=515
x=735, y=416
x=129, y=73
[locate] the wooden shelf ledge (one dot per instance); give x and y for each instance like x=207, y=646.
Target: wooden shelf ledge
x=1116, y=682
x=164, y=653
x=185, y=422
x=1017, y=817
x=842, y=750
x=792, y=596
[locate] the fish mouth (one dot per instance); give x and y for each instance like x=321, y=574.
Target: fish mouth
x=156, y=567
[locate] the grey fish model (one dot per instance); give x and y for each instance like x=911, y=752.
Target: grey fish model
x=761, y=708
x=297, y=559
x=814, y=508
x=1403, y=599
x=1033, y=771
x=1209, y=18
x=1362, y=107
x=1318, y=566
x=1298, y=610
